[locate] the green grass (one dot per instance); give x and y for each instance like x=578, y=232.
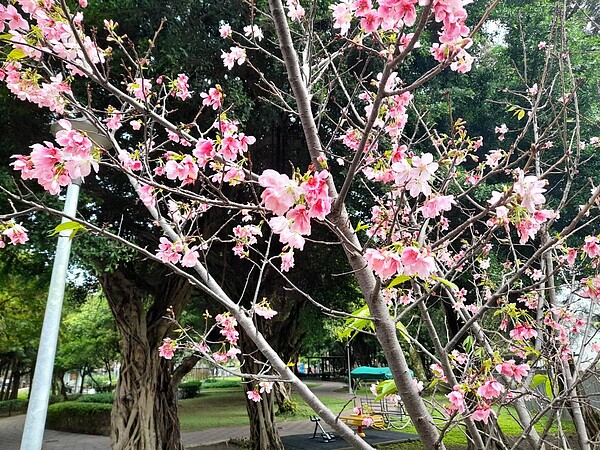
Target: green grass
x=213, y=409
x=228, y=408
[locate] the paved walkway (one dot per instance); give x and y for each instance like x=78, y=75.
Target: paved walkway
x=11, y=430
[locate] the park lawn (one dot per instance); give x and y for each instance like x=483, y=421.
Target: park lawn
x=228, y=408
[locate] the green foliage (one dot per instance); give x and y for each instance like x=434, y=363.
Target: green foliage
x=288, y=407
x=79, y=417
x=189, y=389
x=225, y=383
x=103, y=397
x=89, y=338
x=10, y=407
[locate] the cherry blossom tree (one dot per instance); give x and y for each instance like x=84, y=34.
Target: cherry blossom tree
x=446, y=218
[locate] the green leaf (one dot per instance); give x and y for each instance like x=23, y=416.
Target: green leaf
x=387, y=387
x=354, y=325
x=75, y=227
x=540, y=378
x=521, y=114
x=398, y=280
x=450, y=284
x=15, y=55
x=5, y=37
x=361, y=226
x=403, y=331
x=468, y=343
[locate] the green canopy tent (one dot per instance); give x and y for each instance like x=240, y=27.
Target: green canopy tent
x=371, y=373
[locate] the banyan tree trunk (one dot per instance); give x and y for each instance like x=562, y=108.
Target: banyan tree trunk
x=263, y=430
x=144, y=414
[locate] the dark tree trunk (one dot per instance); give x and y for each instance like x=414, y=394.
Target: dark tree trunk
x=144, y=414
x=263, y=430
x=15, y=381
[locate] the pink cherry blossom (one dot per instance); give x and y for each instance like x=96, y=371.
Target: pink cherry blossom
x=236, y=54
x=190, y=258
x=280, y=191
x=214, y=97
x=167, y=349
x=225, y=30
x=140, y=88
x=510, y=369
x=254, y=396
x=299, y=220
x=530, y=189
x=522, y=331
x=167, y=251
x=266, y=387
x=490, y=389
x=287, y=260
x=457, y=400
x=264, y=310
x=418, y=262
x=438, y=372
x=16, y=233
x=591, y=246
x=482, y=413
x=147, y=196
x=385, y=263
x=435, y=204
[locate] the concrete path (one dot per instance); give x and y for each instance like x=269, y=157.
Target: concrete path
x=11, y=430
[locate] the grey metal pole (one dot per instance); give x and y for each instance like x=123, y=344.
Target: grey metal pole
x=33, y=434
x=350, y=391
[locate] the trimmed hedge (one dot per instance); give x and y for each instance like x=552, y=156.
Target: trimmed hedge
x=80, y=417
x=15, y=406
x=189, y=389
x=104, y=397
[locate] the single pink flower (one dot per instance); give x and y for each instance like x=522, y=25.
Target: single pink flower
x=591, y=247
x=167, y=350
x=490, y=389
x=254, y=396
x=482, y=413
x=418, y=262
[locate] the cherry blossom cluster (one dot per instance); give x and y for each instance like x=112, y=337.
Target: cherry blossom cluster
x=263, y=387
x=13, y=233
x=480, y=389
x=388, y=18
x=54, y=167
x=27, y=85
x=177, y=252
x=295, y=202
x=54, y=34
x=520, y=206
x=245, y=237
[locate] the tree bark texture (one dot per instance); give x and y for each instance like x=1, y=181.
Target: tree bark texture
x=263, y=430
x=144, y=414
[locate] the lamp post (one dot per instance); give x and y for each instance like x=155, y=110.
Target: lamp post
x=33, y=432
x=350, y=391
x=37, y=409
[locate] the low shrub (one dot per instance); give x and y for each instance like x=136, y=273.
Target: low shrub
x=225, y=383
x=10, y=407
x=80, y=417
x=189, y=389
x=104, y=397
